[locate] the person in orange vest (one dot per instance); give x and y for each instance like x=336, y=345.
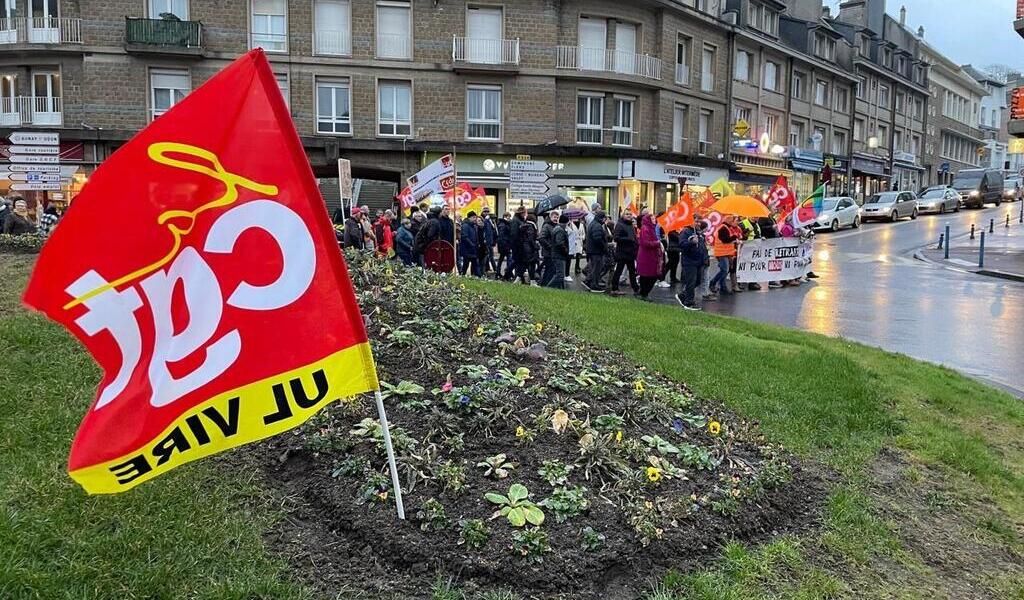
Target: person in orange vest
x=725, y=253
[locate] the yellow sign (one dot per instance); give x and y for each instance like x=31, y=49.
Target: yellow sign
x=742, y=128
x=1016, y=146
x=830, y=161
x=522, y=157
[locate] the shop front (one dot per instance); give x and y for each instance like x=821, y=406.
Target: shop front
x=839, y=167
x=656, y=184
x=907, y=174
x=584, y=180
x=806, y=165
x=870, y=176
x=754, y=175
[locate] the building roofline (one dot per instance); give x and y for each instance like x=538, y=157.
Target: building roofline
x=795, y=53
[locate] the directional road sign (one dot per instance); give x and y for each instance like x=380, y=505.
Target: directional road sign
x=31, y=137
x=527, y=165
x=35, y=187
x=528, y=176
x=32, y=168
x=34, y=149
x=524, y=190
x=35, y=159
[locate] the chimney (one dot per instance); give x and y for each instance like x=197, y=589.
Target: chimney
x=903, y=15
x=920, y=32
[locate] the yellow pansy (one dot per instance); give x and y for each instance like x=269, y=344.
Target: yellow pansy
x=714, y=427
x=479, y=330
x=520, y=431
x=653, y=474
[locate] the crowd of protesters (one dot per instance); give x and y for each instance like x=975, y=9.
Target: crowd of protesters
x=16, y=220
x=555, y=248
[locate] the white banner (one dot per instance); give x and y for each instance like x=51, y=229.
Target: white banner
x=436, y=178
x=777, y=259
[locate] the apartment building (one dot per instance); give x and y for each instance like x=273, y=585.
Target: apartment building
x=993, y=121
x=891, y=97
x=792, y=84
x=607, y=92
x=953, y=134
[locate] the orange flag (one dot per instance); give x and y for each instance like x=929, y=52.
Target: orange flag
x=226, y=314
x=679, y=216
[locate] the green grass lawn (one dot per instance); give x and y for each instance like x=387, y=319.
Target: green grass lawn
x=929, y=497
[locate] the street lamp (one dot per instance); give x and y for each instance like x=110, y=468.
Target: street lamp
x=873, y=142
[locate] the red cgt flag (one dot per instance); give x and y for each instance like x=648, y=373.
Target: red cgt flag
x=781, y=198
x=200, y=269
x=679, y=216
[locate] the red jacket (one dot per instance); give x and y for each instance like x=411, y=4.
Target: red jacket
x=385, y=239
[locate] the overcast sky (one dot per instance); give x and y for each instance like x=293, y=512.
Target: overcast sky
x=979, y=32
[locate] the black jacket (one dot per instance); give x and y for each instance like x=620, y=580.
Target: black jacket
x=559, y=243
x=527, y=241
x=353, y=237
x=625, y=241
x=447, y=229
x=546, y=231
x=430, y=232
x=504, y=235
x=693, y=249
x=597, y=238
x=673, y=242
x=513, y=235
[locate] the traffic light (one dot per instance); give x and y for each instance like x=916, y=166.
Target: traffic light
x=1017, y=103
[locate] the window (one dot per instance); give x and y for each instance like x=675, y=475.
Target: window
x=394, y=108
x=842, y=99
x=683, y=60
x=839, y=142
x=270, y=25
x=742, y=114
x=763, y=18
x=332, y=21
x=918, y=108
x=865, y=47
x=818, y=139
x=901, y=65
x=824, y=47
x=742, y=66
x=897, y=140
x=771, y=126
x=282, y=84
x=707, y=69
x=862, y=88
x=916, y=145
x=821, y=93
x=622, y=130
x=883, y=96
x=883, y=136
x=797, y=88
x=900, y=103
x=333, y=106
x=704, y=133
x=394, y=30
x=771, y=76
x=589, y=118
x=887, y=57
x=679, y=115
x=167, y=88
x=858, y=129
x=483, y=112
x=796, y=134
x=158, y=8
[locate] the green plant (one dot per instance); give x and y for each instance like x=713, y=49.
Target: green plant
x=646, y=522
x=660, y=445
x=375, y=488
x=517, y=379
x=444, y=589
x=351, y=466
x=432, y=516
x=516, y=507
x=496, y=466
x=452, y=477
x=21, y=244
x=555, y=472
x=609, y=423
x=599, y=458
x=368, y=428
x=473, y=372
x=696, y=457
x=473, y=533
x=401, y=337
x=404, y=388
x=592, y=540
x=567, y=502
x=531, y=544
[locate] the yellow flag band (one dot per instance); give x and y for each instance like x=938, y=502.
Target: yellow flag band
x=246, y=414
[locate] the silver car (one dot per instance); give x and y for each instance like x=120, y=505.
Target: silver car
x=890, y=205
x=938, y=199
x=837, y=213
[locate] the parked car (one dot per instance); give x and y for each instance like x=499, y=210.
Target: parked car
x=837, y=213
x=978, y=187
x=938, y=199
x=1013, y=188
x=890, y=205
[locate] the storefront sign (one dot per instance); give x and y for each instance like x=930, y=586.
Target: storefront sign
x=776, y=259
x=742, y=128
x=905, y=157
x=806, y=160
x=659, y=172
x=870, y=167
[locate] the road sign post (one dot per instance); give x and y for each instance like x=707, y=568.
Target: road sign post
x=528, y=178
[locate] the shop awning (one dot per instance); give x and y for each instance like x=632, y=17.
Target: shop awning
x=902, y=165
x=801, y=164
x=759, y=170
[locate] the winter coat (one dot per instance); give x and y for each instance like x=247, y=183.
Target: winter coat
x=469, y=242
x=385, y=237
x=527, y=242
x=597, y=238
x=415, y=226
x=625, y=241
x=514, y=235
x=403, y=244
x=490, y=233
x=16, y=224
x=559, y=243
x=544, y=239
x=353, y=237
x=447, y=229
x=649, y=253
x=693, y=248
x=430, y=232
x=673, y=242
x=504, y=237
x=577, y=235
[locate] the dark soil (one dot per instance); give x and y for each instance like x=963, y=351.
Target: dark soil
x=341, y=534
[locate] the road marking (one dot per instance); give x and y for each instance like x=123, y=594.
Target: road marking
x=961, y=262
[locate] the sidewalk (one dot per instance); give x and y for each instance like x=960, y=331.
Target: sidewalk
x=1004, y=252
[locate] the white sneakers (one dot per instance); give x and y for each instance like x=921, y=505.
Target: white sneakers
x=569, y=279
x=663, y=284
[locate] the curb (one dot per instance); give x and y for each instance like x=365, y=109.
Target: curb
x=919, y=255
x=1001, y=275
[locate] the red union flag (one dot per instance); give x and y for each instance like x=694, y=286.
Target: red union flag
x=781, y=198
x=679, y=216
x=199, y=268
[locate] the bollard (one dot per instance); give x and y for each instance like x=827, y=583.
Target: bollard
x=1021, y=212
x=941, y=237
x=946, y=253
x=972, y=231
x=981, y=252
x=1007, y=219
x=991, y=225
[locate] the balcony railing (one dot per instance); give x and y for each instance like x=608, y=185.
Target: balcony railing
x=271, y=42
x=333, y=42
x=484, y=51
x=608, y=60
x=163, y=32
x=30, y=110
x=393, y=45
x=40, y=30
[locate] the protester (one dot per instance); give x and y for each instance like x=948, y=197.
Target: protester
x=447, y=226
x=589, y=218
x=515, y=241
x=625, y=252
x=48, y=220
x=559, y=253
x=369, y=241
x=403, y=242
x=725, y=254
x=429, y=233
x=705, y=268
x=577, y=235
x=469, y=245
x=528, y=251
x=650, y=255
x=417, y=222
x=766, y=226
x=672, y=265
x=490, y=239
x=596, y=247
x=354, y=236
x=383, y=234
x=504, y=242
x=693, y=253
x=544, y=240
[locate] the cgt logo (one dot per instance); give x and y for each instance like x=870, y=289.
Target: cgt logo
x=118, y=307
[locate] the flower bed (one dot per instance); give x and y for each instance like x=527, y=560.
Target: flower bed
x=529, y=460
x=20, y=244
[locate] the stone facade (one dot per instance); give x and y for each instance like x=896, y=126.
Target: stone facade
x=952, y=140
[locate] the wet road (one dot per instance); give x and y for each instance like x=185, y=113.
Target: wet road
x=873, y=291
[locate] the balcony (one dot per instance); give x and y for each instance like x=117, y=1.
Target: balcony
x=163, y=35
x=608, y=61
x=40, y=30
x=30, y=110
x=489, y=54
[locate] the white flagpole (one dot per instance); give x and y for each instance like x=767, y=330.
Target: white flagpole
x=391, y=455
